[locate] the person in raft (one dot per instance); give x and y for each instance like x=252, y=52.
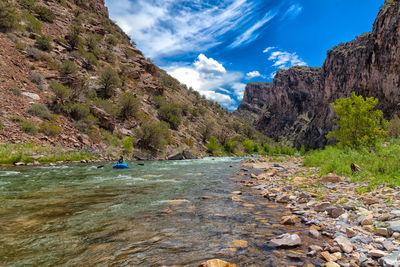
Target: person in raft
x=121, y=160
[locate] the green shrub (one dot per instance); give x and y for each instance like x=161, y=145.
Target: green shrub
x=359, y=124
x=277, y=150
x=45, y=14
x=43, y=43
x=16, y=118
x=267, y=149
x=394, y=127
x=169, y=82
x=50, y=128
x=83, y=126
x=172, y=114
x=212, y=145
x=109, y=81
x=92, y=42
x=89, y=61
x=68, y=67
x=1, y=126
x=28, y=4
x=250, y=146
x=159, y=101
x=128, y=106
x=127, y=145
x=9, y=19
x=111, y=40
x=28, y=127
x=302, y=150
x=62, y=93
x=32, y=23
x=79, y=111
x=41, y=111
x=153, y=135
x=16, y=91
x=109, y=56
x=73, y=36
x=37, y=78
x=230, y=146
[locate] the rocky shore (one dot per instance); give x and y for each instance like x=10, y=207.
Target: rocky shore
x=358, y=227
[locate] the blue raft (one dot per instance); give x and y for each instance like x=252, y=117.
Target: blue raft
x=121, y=166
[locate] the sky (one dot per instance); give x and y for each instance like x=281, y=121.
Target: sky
x=218, y=46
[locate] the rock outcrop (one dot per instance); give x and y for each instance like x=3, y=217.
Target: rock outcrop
x=297, y=105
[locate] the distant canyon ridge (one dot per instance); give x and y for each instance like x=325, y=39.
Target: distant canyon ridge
x=296, y=108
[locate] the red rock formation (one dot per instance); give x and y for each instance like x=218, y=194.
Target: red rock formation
x=369, y=65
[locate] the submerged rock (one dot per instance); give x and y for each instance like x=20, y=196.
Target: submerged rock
x=286, y=240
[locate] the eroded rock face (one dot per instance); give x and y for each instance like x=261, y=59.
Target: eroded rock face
x=297, y=104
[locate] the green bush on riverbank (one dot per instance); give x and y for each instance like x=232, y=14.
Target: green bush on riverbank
x=28, y=153
x=380, y=165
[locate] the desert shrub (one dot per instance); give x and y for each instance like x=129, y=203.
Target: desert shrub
x=109, y=81
x=358, y=121
x=159, y=101
x=171, y=113
x=68, y=67
x=188, y=141
x=43, y=43
x=28, y=4
x=79, y=111
x=34, y=53
x=111, y=40
x=394, y=127
x=32, y=23
x=89, y=61
x=212, y=145
x=83, y=126
x=50, y=128
x=1, y=126
x=169, y=82
x=44, y=13
x=62, y=93
x=41, y=111
x=104, y=104
x=73, y=36
x=153, y=135
x=92, y=42
x=128, y=106
x=16, y=118
x=28, y=127
x=9, y=19
x=16, y=91
x=109, y=56
x=37, y=78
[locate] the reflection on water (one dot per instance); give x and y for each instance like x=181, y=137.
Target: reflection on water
x=148, y=215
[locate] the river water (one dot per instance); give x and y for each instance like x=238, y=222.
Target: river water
x=149, y=215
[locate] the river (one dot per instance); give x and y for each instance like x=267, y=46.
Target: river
x=151, y=215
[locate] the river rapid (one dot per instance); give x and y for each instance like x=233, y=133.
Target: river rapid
x=151, y=215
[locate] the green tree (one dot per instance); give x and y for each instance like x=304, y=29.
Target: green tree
x=359, y=123
x=250, y=146
x=171, y=113
x=212, y=145
x=394, y=127
x=267, y=149
x=129, y=106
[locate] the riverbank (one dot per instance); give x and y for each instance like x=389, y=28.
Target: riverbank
x=358, y=226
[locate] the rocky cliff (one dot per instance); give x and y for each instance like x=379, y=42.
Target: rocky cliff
x=69, y=76
x=297, y=106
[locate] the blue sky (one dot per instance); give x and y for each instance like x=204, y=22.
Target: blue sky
x=218, y=46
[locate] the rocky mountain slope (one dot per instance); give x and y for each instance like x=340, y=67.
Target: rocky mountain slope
x=295, y=107
x=69, y=76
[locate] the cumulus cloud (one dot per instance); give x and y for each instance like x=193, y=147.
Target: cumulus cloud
x=211, y=79
x=285, y=60
x=253, y=74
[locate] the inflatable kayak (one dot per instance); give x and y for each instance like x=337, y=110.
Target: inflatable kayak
x=121, y=166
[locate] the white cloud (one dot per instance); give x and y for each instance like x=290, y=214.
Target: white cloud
x=250, y=35
x=266, y=50
x=211, y=79
x=285, y=60
x=292, y=12
x=253, y=74
x=171, y=27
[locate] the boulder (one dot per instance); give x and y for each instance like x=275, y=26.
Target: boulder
x=106, y=121
x=286, y=240
x=216, y=263
x=344, y=244
x=332, y=178
x=176, y=156
x=139, y=155
x=321, y=207
x=31, y=95
x=391, y=260
x=188, y=155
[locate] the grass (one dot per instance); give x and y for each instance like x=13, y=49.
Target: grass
x=380, y=165
x=12, y=153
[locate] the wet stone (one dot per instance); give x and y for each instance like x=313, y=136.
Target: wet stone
x=286, y=240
